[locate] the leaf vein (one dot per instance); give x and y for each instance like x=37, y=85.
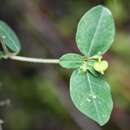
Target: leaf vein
x=93, y=38
x=91, y=91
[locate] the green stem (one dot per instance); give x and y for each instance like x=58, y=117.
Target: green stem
x=34, y=60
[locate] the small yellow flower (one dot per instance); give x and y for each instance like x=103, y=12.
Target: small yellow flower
x=101, y=66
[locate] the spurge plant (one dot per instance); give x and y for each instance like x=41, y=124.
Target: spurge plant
x=89, y=92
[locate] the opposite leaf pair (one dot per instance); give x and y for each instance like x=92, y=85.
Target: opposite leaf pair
x=89, y=92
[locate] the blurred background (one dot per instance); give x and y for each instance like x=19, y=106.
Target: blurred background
x=36, y=96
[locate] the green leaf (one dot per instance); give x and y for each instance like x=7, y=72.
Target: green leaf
x=9, y=38
x=96, y=31
x=71, y=60
x=91, y=95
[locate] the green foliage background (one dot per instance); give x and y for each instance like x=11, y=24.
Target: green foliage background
x=39, y=94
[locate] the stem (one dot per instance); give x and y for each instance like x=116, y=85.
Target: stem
x=96, y=57
x=26, y=59
x=34, y=60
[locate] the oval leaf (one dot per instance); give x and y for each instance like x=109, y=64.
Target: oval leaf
x=91, y=95
x=71, y=60
x=9, y=38
x=95, y=32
